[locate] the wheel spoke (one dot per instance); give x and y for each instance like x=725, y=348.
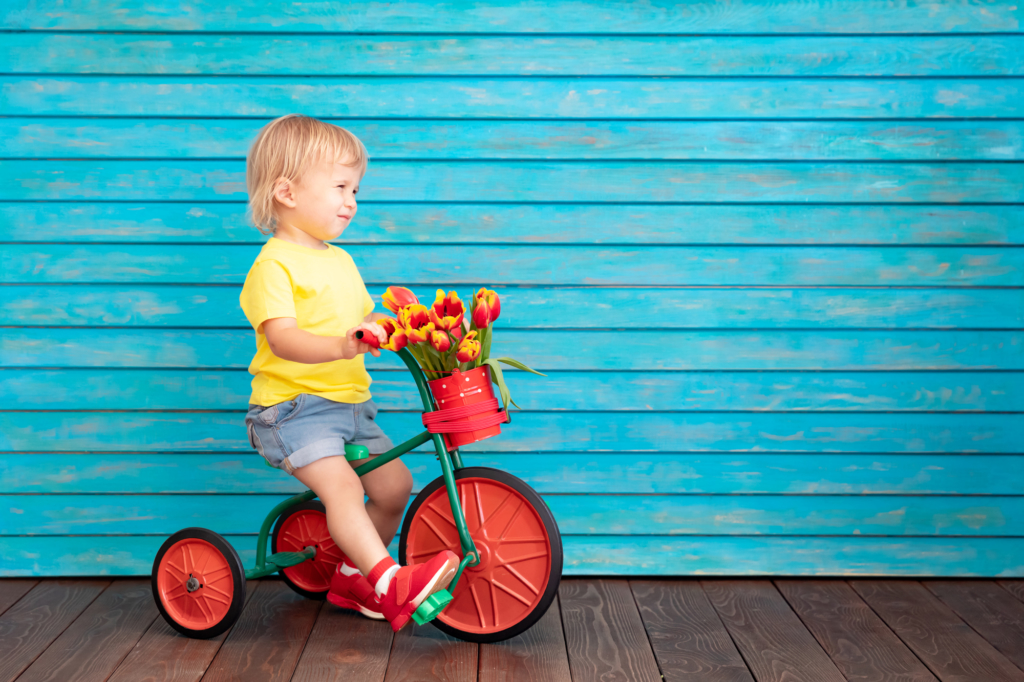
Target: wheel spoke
x=171, y=596
x=179, y=569
x=437, y=532
x=512, y=592
x=210, y=597
x=515, y=515
x=443, y=513
x=494, y=603
x=479, y=609
x=208, y=586
x=517, y=559
x=523, y=580
x=479, y=505
x=518, y=541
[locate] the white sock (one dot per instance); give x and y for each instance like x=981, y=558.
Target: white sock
x=381, y=588
x=346, y=569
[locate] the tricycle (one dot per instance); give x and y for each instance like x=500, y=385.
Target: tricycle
x=507, y=537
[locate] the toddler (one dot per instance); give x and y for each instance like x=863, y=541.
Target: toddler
x=310, y=390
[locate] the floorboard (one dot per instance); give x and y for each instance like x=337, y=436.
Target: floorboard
x=98, y=640
x=774, y=643
x=345, y=646
x=12, y=590
x=604, y=633
x=1014, y=587
x=947, y=645
x=537, y=655
x=422, y=653
x=854, y=637
x=985, y=607
x=31, y=625
x=688, y=638
x=164, y=655
x=265, y=643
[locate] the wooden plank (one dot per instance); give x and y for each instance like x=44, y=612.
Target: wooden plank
x=265, y=642
x=344, y=645
x=604, y=633
x=856, y=639
x=590, y=514
x=162, y=655
x=185, y=389
x=644, y=350
x=30, y=137
x=546, y=472
x=504, y=98
x=427, y=266
x=403, y=223
x=686, y=634
x=361, y=55
x=110, y=305
x=23, y=556
x=551, y=432
x=949, y=647
x=537, y=655
x=425, y=654
x=518, y=16
x=772, y=640
x=31, y=625
x=983, y=605
x=1014, y=587
x=539, y=181
x=13, y=589
x=99, y=639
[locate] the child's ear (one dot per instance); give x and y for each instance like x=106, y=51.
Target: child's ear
x=283, y=192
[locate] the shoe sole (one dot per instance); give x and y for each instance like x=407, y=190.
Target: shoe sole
x=343, y=603
x=441, y=580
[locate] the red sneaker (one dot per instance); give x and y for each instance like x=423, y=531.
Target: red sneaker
x=354, y=592
x=411, y=585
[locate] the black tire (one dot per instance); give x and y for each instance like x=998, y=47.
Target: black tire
x=531, y=497
x=310, y=506
x=231, y=561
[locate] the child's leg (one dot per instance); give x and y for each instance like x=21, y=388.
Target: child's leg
x=339, y=488
x=388, y=488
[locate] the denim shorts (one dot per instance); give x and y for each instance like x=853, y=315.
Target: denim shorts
x=300, y=431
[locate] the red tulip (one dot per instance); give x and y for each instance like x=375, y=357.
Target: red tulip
x=469, y=348
x=396, y=298
x=413, y=316
x=447, y=311
x=493, y=304
x=421, y=335
x=440, y=341
x=481, y=314
x=397, y=337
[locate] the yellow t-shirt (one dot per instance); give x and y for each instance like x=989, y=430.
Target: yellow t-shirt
x=323, y=291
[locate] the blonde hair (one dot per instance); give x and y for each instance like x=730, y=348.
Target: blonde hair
x=286, y=148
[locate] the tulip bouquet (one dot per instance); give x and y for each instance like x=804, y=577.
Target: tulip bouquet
x=440, y=338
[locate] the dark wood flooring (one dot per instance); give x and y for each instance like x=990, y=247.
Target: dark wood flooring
x=606, y=630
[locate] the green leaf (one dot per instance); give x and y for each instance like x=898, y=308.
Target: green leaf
x=518, y=365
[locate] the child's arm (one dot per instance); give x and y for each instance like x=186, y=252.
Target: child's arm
x=288, y=342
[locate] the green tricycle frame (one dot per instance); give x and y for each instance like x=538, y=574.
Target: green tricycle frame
x=489, y=490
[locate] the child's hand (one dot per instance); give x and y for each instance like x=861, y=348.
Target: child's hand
x=356, y=346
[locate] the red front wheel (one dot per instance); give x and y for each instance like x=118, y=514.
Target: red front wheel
x=301, y=526
x=520, y=550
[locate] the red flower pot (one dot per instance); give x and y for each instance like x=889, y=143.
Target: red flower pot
x=467, y=410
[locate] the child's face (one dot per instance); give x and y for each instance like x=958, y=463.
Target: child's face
x=323, y=201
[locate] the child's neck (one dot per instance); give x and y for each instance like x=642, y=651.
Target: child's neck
x=293, y=235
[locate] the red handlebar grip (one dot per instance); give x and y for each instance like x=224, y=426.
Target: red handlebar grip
x=369, y=339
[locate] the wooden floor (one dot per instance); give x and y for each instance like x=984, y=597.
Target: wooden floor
x=598, y=629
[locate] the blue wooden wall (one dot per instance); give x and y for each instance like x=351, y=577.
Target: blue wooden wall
x=769, y=254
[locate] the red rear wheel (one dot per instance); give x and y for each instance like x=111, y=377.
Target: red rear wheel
x=299, y=527
x=520, y=550
x=198, y=583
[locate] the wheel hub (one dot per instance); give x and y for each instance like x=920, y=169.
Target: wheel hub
x=192, y=585
x=485, y=556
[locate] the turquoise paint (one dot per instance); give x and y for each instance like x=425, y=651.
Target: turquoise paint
x=534, y=431
x=416, y=223
x=548, y=472
x=536, y=181
x=812, y=350
x=564, y=97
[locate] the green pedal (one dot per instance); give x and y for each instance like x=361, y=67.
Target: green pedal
x=432, y=606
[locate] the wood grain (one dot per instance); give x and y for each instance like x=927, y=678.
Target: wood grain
x=422, y=653
x=345, y=645
x=774, y=643
x=265, y=643
x=983, y=605
x=855, y=638
x=99, y=639
x=1014, y=587
x=522, y=17
x=686, y=634
x=13, y=589
x=31, y=625
x=537, y=655
x=164, y=655
x=948, y=646
x=604, y=633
